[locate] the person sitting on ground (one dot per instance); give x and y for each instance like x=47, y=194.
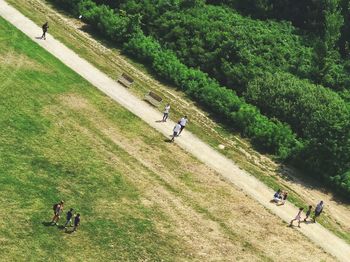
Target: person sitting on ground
x=69, y=217
x=308, y=213
x=176, y=131
x=284, y=198
x=76, y=222
x=277, y=196
x=58, y=209
x=297, y=217
x=318, y=210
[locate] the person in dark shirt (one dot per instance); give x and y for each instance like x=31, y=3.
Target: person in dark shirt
x=308, y=213
x=76, y=222
x=69, y=217
x=44, y=27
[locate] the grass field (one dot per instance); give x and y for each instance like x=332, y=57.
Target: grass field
x=140, y=199
x=109, y=60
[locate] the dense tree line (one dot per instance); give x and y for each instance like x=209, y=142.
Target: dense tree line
x=264, y=59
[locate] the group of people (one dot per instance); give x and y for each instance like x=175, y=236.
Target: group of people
x=280, y=197
x=317, y=212
x=58, y=211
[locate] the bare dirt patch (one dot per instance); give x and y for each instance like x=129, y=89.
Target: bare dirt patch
x=19, y=61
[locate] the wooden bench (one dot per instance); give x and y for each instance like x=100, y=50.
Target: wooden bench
x=125, y=80
x=153, y=98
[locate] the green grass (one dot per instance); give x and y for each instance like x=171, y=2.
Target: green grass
x=59, y=140
x=109, y=63
x=45, y=157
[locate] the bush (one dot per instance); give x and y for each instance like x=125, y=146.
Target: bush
x=314, y=112
x=271, y=136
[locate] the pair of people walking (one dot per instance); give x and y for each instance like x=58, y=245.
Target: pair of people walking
x=58, y=210
x=179, y=127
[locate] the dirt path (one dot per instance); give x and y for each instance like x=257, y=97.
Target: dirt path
x=187, y=141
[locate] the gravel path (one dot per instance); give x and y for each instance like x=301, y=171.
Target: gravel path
x=227, y=168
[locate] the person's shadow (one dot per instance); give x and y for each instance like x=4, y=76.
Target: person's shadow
x=38, y=37
x=48, y=224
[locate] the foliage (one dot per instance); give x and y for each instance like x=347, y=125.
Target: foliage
x=202, y=37
x=316, y=113
x=272, y=136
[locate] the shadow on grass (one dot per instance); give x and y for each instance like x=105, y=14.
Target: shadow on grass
x=48, y=224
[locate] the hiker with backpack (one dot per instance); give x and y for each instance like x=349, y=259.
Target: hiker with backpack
x=57, y=209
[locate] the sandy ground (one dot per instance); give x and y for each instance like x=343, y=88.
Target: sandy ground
x=225, y=167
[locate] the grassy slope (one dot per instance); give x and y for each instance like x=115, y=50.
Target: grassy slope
x=237, y=149
x=62, y=139
x=44, y=157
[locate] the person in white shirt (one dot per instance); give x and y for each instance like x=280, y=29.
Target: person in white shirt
x=166, y=112
x=183, y=122
x=176, y=131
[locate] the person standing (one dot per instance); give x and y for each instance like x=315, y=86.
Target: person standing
x=318, y=210
x=308, y=213
x=44, y=27
x=297, y=217
x=69, y=217
x=183, y=121
x=76, y=222
x=176, y=131
x=58, y=209
x=166, y=112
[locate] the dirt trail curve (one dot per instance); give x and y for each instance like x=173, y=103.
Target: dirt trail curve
x=187, y=141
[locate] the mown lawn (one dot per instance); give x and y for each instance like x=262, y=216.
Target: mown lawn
x=48, y=153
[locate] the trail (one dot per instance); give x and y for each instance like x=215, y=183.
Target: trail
x=227, y=168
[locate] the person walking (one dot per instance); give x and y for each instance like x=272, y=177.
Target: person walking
x=308, y=213
x=176, y=131
x=76, y=222
x=58, y=209
x=44, y=27
x=69, y=217
x=166, y=112
x=183, y=121
x=297, y=217
x=318, y=210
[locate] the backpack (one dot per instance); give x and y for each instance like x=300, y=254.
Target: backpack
x=54, y=207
